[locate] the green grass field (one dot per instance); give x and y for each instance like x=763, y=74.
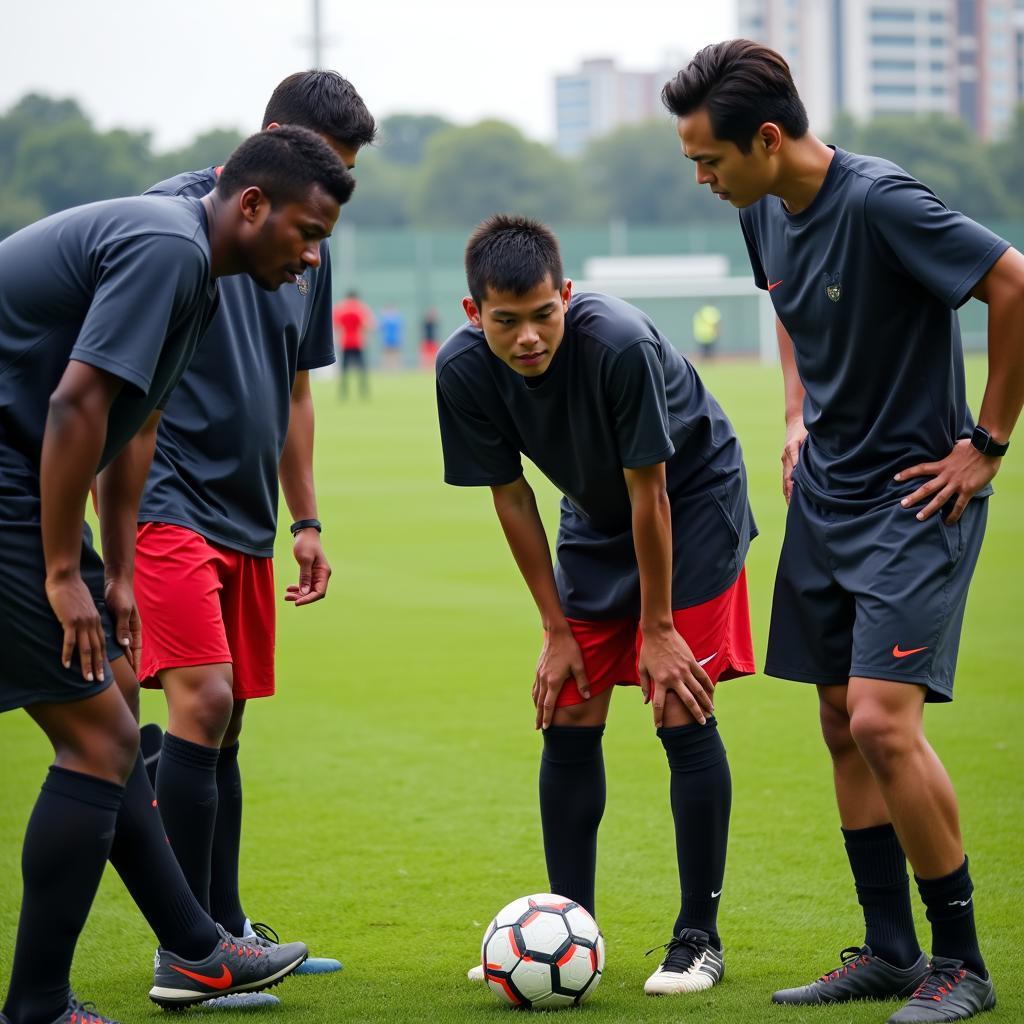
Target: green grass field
x=391, y=785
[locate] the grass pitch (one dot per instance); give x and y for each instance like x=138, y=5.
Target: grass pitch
x=391, y=786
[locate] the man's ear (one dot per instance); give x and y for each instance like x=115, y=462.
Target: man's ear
x=472, y=313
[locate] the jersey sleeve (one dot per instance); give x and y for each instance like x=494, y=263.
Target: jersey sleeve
x=146, y=286
x=317, y=345
x=636, y=388
x=945, y=251
x=474, y=449
x=760, y=279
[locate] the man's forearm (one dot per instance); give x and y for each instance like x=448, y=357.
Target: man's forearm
x=1004, y=390
x=520, y=520
x=652, y=540
x=296, y=466
x=120, y=488
x=793, y=388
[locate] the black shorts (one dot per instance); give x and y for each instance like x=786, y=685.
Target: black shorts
x=30, y=635
x=876, y=594
x=352, y=357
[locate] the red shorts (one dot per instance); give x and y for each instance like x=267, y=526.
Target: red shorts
x=203, y=604
x=717, y=631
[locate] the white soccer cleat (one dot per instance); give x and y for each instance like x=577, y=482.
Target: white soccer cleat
x=476, y=973
x=690, y=965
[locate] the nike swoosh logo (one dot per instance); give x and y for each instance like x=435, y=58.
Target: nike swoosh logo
x=223, y=981
x=704, y=661
x=715, y=895
x=772, y=287
x=897, y=653
x=959, y=903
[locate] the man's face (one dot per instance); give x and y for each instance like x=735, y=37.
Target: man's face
x=281, y=242
x=734, y=176
x=523, y=331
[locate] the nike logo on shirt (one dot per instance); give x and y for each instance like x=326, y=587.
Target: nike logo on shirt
x=772, y=287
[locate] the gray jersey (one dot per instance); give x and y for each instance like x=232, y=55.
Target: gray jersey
x=866, y=281
x=616, y=395
x=123, y=285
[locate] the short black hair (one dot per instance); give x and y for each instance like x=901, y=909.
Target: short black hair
x=285, y=163
x=742, y=84
x=324, y=102
x=511, y=254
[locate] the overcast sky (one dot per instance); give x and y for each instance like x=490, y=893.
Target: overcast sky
x=177, y=69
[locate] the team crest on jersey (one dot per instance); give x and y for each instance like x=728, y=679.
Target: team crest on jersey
x=833, y=289
x=302, y=284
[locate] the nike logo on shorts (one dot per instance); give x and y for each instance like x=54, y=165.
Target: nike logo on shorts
x=897, y=653
x=704, y=661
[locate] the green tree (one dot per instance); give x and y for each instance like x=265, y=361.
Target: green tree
x=207, y=150
x=470, y=173
x=381, y=198
x=403, y=137
x=638, y=173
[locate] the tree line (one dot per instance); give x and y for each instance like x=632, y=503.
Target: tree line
x=428, y=172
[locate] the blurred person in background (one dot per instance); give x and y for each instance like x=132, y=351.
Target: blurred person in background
x=352, y=320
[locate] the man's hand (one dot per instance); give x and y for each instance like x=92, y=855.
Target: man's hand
x=962, y=473
x=77, y=613
x=314, y=571
x=796, y=434
x=120, y=600
x=560, y=658
x=667, y=665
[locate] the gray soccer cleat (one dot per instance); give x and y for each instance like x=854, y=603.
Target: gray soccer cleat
x=861, y=975
x=949, y=992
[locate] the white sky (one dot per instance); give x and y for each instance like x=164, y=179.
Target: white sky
x=177, y=69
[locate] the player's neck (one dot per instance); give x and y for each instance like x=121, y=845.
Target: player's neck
x=224, y=259
x=803, y=173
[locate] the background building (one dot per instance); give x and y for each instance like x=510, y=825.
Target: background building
x=599, y=97
x=870, y=57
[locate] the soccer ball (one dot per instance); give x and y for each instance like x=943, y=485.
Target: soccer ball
x=543, y=952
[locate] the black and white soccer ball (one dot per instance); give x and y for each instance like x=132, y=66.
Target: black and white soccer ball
x=543, y=952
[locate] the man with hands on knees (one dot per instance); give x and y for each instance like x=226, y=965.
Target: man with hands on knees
x=887, y=479
x=649, y=586
x=101, y=309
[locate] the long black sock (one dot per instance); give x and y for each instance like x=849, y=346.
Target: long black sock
x=701, y=797
x=883, y=890
x=186, y=788
x=66, y=847
x=949, y=905
x=151, y=874
x=225, y=904
x=572, y=795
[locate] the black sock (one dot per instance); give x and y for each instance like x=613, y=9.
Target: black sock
x=152, y=876
x=883, y=890
x=949, y=905
x=572, y=795
x=701, y=797
x=66, y=847
x=186, y=788
x=225, y=904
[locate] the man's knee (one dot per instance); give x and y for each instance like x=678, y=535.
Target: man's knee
x=835, y=729
x=883, y=738
x=200, y=702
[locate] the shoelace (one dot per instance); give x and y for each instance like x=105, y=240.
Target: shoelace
x=681, y=955
x=852, y=957
x=940, y=982
x=263, y=935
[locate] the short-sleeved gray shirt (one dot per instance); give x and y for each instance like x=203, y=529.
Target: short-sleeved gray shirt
x=123, y=285
x=616, y=395
x=866, y=281
x=222, y=433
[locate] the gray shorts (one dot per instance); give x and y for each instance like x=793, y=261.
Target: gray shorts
x=875, y=594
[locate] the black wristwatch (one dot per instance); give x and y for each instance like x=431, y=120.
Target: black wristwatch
x=306, y=524
x=982, y=440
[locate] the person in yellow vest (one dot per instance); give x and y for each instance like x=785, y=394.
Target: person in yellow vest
x=707, y=326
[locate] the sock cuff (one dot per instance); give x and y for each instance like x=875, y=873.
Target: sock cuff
x=185, y=752
x=86, y=789
x=693, y=747
x=572, y=744
x=876, y=857
x=956, y=883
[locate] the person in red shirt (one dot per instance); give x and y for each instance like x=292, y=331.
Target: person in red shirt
x=352, y=319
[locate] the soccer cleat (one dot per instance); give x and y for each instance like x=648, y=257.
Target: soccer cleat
x=235, y=965
x=861, y=975
x=476, y=973
x=266, y=935
x=948, y=992
x=691, y=964
x=80, y=1013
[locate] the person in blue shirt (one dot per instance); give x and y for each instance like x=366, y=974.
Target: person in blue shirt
x=887, y=476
